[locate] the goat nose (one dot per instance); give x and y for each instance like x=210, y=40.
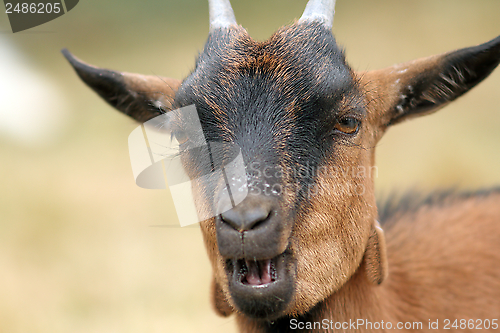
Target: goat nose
x=251, y=229
x=245, y=218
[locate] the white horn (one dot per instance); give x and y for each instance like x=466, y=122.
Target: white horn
x=319, y=10
x=221, y=14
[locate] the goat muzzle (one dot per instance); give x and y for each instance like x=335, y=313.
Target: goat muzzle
x=253, y=240
x=252, y=230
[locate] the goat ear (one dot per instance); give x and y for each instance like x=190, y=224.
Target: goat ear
x=375, y=259
x=220, y=303
x=141, y=97
x=424, y=85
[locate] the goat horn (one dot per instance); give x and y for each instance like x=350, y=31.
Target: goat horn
x=221, y=14
x=319, y=10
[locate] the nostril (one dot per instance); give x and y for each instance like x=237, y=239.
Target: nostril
x=246, y=219
x=261, y=221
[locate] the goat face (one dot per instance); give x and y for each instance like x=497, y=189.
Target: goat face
x=294, y=108
x=306, y=125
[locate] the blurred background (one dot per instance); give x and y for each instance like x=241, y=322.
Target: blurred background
x=83, y=249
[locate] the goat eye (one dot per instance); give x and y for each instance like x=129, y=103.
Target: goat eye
x=348, y=125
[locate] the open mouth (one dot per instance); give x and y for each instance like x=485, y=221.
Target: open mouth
x=261, y=288
x=256, y=273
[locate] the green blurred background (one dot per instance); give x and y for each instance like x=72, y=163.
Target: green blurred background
x=80, y=246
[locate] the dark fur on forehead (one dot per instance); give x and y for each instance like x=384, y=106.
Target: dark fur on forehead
x=276, y=99
x=298, y=68
x=293, y=56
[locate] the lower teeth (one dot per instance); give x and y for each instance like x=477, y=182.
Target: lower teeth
x=273, y=272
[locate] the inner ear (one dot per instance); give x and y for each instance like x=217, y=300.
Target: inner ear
x=375, y=259
x=141, y=97
x=424, y=85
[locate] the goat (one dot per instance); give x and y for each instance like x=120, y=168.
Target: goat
x=313, y=257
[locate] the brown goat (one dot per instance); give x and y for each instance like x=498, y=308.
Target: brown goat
x=311, y=256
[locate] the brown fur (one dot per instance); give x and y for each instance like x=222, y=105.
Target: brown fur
x=440, y=256
x=439, y=261
x=424, y=281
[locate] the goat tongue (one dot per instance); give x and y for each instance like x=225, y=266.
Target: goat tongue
x=259, y=272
